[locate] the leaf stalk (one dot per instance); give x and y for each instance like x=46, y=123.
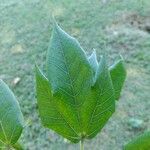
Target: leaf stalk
x=82, y=145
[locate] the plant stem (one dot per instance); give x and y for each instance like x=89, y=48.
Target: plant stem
x=81, y=145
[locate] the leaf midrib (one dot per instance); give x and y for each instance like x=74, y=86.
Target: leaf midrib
x=70, y=80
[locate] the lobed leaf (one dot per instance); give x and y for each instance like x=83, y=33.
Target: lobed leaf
x=77, y=96
x=11, y=118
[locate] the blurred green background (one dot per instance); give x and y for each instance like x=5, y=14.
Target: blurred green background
x=112, y=26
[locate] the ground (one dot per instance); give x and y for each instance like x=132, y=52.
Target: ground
x=112, y=26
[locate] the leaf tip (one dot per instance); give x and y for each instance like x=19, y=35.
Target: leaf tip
x=55, y=24
x=121, y=57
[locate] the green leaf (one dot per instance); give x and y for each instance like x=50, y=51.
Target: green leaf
x=11, y=118
x=141, y=142
x=76, y=97
x=118, y=75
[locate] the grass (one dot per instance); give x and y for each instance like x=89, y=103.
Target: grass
x=117, y=27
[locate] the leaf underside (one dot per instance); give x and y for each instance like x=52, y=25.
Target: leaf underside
x=11, y=118
x=77, y=96
x=141, y=142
